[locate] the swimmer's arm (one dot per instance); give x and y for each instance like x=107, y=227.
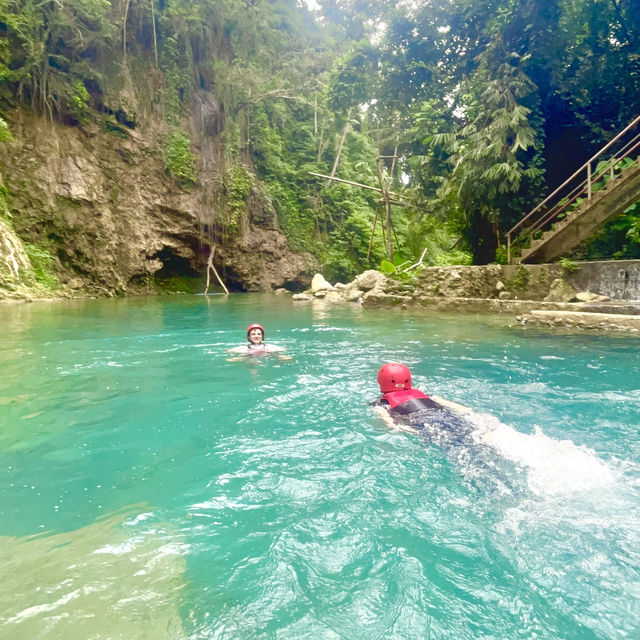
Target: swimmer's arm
x=242, y=349
x=454, y=406
x=389, y=421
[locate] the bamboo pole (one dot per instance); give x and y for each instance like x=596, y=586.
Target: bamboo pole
x=357, y=184
x=387, y=206
x=373, y=230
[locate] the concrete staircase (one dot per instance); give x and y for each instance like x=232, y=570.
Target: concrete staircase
x=577, y=226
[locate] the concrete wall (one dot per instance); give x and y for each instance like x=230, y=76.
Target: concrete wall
x=618, y=279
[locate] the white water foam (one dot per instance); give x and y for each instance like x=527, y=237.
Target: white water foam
x=553, y=466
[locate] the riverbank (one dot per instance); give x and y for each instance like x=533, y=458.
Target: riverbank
x=548, y=295
x=558, y=292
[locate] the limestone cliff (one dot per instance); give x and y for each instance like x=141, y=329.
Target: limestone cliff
x=99, y=200
x=16, y=273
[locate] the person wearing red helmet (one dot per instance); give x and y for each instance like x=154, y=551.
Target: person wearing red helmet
x=255, y=334
x=401, y=404
x=448, y=425
x=256, y=345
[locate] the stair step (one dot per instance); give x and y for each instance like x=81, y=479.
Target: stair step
x=631, y=177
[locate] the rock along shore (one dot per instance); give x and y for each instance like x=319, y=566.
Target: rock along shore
x=530, y=294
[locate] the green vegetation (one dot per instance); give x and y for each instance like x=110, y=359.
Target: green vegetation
x=178, y=284
x=77, y=99
x=114, y=129
x=5, y=214
x=453, y=111
x=520, y=280
x=237, y=183
x=179, y=159
x=5, y=133
x=568, y=265
x=40, y=261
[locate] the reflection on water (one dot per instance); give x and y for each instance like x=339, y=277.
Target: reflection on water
x=120, y=578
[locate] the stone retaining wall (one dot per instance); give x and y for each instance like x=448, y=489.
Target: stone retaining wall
x=556, y=295
x=617, y=279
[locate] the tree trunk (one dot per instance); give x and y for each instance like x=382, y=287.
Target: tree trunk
x=124, y=31
x=315, y=111
x=339, y=151
x=482, y=238
x=387, y=205
x=153, y=21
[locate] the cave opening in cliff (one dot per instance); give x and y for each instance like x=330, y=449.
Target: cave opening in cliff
x=232, y=280
x=176, y=273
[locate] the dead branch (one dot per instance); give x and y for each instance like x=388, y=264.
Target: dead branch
x=417, y=264
x=373, y=230
x=210, y=267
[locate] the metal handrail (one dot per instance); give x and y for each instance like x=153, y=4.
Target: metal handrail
x=580, y=189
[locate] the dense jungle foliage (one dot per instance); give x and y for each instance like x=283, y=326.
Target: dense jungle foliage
x=463, y=114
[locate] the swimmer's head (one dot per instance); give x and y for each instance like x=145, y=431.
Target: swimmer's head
x=394, y=377
x=255, y=333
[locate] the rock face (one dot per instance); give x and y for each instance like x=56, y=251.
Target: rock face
x=111, y=216
x=459, y=282
x=261, y=261
x=15, y=267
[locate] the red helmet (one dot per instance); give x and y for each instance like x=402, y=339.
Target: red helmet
x=255, y=326
x=393, y=377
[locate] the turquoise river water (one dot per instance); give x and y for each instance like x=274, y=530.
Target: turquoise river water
x=149, y=488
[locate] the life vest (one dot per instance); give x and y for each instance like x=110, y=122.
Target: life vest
x=262, y=349
x=407, y=401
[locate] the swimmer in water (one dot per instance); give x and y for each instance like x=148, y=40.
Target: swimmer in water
x=402, y=407
x=441, y=422
x=256, y=346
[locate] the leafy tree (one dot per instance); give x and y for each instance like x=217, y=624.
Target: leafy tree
x=491, y=153
x=46, y=41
